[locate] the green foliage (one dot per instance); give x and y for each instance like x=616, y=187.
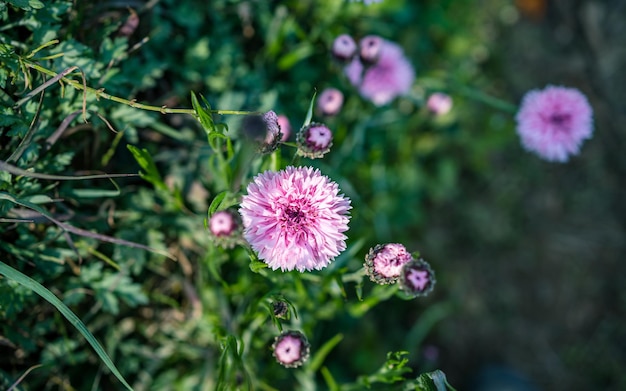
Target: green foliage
x=126, y=260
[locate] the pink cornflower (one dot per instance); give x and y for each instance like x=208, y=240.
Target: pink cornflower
x=291, y=349
x=344, y=47
x=314, y=140
x=553, y=122
x=295, y=218
x=383, y=263
x=392, y=75
x=439, y=103
x=330, y=101
x=417, y=278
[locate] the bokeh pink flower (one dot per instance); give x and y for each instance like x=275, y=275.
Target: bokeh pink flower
x=344, y=47
x=330, y=102
x=439, y=103
x=392, y=75
x=295, y=218
x=554, y=122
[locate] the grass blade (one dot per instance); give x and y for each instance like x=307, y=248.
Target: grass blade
x=42, y=291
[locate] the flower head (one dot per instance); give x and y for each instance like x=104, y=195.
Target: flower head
x=314, y=140
x=417, y=278
x=383, y=263
x=330, y=101
x=222, y=223
x=370, y=48
x=554, y=122
x=439, y=103
x=344, y=47
x=295, y=218
x=224, y=228
x=291, y=349
x=392, y=75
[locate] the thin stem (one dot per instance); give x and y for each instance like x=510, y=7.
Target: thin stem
x=484, y=98
x=99, y=93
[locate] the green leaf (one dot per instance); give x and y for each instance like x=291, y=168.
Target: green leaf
x=433, y=381
x=255, y=266
x=203, y=114
x=322, y=352
x=42, y=291
x=26, y=4
x=217, y=201
x=309, y=113
x=151, y=173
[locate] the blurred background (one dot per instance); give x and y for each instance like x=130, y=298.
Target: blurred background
x=528, y=254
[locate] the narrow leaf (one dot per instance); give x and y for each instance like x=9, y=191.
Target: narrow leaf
x=217, y=201
x=42, y=291
x=309, y=114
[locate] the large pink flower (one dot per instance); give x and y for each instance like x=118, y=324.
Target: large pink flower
x=295, y=218
x=392, y=75
x=554, y=122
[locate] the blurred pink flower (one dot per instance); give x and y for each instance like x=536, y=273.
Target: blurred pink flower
x=553, y=122
x=295, y=218
x=344, y=47
x=291, y=349
x=370, y=48
x=392, y=75
x=330, y=101
x=383, y=263
x=439, y=103
x=354, y=71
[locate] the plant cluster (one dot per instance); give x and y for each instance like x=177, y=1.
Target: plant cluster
x=237, y=257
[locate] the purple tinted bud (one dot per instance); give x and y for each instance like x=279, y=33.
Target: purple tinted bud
x=369, y=48
x=314, y=140
x=330, y=101
x=417, y=278
x=344, y=47
x=291, y=349
x=222, y=223
x=383, y=263
x=439, y=103
x=285, y=127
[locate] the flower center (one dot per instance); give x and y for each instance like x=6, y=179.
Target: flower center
x=560, y=121
x=294, y=216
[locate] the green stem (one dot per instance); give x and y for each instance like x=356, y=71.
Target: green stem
x=486, y=99
x=99, y=93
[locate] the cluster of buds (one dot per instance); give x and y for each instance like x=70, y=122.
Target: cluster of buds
x=377, y=67
x=390, y=263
